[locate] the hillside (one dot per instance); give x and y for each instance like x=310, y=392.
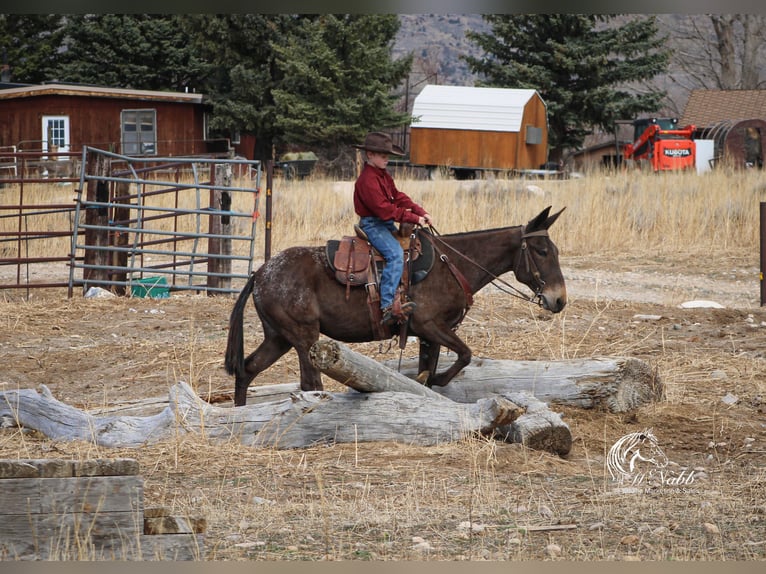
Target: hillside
x=437, y=41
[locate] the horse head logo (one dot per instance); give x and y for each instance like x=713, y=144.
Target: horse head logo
x=635, y=454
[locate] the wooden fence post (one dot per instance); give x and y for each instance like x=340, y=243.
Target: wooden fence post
x=763, y=252
x=98, y=216
x=220, y=199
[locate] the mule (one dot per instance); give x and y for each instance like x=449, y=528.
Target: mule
x=297, y=297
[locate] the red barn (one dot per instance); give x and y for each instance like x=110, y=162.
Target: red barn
x=61, y=117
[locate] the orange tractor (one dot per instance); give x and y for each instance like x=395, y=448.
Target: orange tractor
x=661, y=145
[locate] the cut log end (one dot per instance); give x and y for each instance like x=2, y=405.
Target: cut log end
x=637, y=384
x=324, y=354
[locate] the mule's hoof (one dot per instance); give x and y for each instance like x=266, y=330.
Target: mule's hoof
x=423, y=377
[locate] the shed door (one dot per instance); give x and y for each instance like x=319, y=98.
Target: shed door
x=56, y=134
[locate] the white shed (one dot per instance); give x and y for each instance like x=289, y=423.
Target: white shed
x=479, y=128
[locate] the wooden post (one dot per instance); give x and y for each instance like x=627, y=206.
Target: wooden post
x=96, y=191
x=121, y=238
x=763, y=252
x=267, y=224
x=220, y=200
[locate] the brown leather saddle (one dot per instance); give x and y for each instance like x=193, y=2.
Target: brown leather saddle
x=356, y=262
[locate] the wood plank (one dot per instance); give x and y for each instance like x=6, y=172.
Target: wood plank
x=64, y=495
x=50, y=535
x=61, y=468
x=173, y=547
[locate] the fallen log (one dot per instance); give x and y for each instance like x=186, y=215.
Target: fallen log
x=363, y=373
x=304, y=419
x=615, y=384
x=506, y=399
x=537, y=428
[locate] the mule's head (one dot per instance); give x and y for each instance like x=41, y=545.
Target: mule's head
x=537, y=265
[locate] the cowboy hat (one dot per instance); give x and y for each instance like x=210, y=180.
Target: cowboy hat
x=381, y=143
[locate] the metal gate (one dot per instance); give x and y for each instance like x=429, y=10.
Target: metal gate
x=148, y=226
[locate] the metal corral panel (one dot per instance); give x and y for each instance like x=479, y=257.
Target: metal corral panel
x=469, y=108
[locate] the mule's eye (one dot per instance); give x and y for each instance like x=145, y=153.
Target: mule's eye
x=542, y=251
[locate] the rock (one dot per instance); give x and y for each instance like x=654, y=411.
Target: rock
x=553, y=550
x=630, y=540
x=710, y=528
x=474, y=527
x=98, y=293
x=730, y=399
x=718, y=374
x=701, y=304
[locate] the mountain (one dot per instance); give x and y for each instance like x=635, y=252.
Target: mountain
x=437, y=41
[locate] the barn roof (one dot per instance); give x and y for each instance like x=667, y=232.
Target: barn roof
x=97, y=92
x=706, y=108
x=470, y=108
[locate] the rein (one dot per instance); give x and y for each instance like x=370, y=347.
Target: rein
x=511, y=290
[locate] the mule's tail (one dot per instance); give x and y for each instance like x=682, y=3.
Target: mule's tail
x=235, y=346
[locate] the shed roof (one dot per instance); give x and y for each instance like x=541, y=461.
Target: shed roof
x=98, y=92
x=470, y=108
x=706, y=108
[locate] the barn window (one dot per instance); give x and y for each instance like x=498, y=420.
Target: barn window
x=534, y=135
x=139, y=132
x=55, y=134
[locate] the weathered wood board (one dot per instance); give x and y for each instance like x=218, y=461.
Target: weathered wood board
x=54, y=509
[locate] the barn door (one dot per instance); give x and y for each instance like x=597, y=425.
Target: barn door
x=56, y=134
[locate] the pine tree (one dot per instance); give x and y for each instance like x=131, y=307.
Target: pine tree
x=28, y=45
x=242, y=73
x=338, y=80
x=586, y=70
x=138, y=51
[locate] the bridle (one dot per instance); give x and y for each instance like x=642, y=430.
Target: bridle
x=529, y=263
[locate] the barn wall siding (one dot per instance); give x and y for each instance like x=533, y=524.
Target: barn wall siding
x=96, y=122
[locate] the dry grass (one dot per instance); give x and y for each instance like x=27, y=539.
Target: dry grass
x=477, y=499
x=634, y=213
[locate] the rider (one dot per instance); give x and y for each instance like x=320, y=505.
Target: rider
x=380, y=205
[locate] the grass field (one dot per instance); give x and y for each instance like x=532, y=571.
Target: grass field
x=478, y=499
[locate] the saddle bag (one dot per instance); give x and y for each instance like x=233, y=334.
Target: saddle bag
x=352, y=261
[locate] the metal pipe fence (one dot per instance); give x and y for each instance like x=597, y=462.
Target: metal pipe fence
x=115, y=221
x=131, y=225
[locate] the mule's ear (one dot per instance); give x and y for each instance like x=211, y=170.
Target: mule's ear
x=539, y=221
x=550, y=220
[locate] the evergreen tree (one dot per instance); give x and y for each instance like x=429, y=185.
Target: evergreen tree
x=241, y=73
x=29, y=44
x=338, y=78
x=138, y=51
x=584, y=69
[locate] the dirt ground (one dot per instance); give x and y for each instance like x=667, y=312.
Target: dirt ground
x=475, y=499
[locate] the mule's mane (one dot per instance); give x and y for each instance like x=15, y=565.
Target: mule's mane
x=479, y=231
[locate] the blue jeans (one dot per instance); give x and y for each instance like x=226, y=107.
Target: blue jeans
x=379, y=233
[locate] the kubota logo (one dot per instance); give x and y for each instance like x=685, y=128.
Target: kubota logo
x=677, y=152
